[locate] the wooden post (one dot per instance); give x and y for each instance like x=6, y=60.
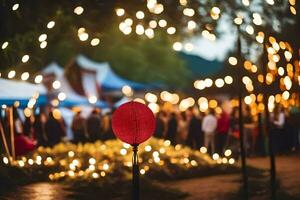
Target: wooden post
x=4, y=141
x=12, y=133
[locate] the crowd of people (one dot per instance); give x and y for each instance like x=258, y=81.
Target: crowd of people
x=215, y=131
x=218, y=132
x=49, y=128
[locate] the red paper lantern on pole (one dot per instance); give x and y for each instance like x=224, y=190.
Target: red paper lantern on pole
x=133, y=123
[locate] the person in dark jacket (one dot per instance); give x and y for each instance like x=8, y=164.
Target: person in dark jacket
x=172, y=128
x=54, y=130
x=39, y=129
x=93, y=126
x=78, y=128
x=195, y=134
x=160, y=126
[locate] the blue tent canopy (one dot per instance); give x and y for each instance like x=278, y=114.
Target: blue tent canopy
x=12, y=91
x=106, y=77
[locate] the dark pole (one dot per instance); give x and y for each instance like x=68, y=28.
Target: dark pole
x=267, y=125
x=135, y=174
x=241, y=125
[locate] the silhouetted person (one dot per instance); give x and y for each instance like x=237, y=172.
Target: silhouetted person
x=222, y=131
x=78, y=128
x=195, y=134
x=39, y=129
x=172, y=128
x=54, y=130
x=160, y=126
x=93, y=126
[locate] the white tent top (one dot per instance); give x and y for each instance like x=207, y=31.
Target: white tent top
x=14, y=90
x=53, y=68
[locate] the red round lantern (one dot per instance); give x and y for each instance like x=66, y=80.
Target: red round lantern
x=133, y=123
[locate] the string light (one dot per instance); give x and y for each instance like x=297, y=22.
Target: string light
x=120, y=12
x=93, y=99
x=25, y=76
x=140, y=15
x=43, y=44
x=25, y=58
x=232, y=60
x=50, y=24
x=11, y=74
x=95, y=41
x=15, y=7
x=38, y=79
x=42, y=37
x=56, y=84
x=4, y=45
x=78, y=10
x=171, y=30
x=162, y=23
x=177, y=46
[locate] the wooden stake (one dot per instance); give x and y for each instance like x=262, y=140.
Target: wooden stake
x=12, y=133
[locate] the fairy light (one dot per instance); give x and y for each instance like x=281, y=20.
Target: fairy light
x=92, y=99
x=38, y=79
x=219, y=82
x=11, y=74
x=140, y=15
x=95, y=41
x=15, y=7
x=25, y=58
x=25, y=76
x=203, y=150
x=162, y=23
x=191, y=25
x=120, y=12
x=189, y=47
x=51, y=24
x=232, y=60
x=189, y=12
x=127, y=90
x=249, y=29
x=153, y=24
x=149, y=33
x=78, y=10
x=171, y=30
x=139, y=29
x=42, y=37
x=43, y=45
x=56, y=84
x=4, y=45
x=62, y=96
x=177, y=46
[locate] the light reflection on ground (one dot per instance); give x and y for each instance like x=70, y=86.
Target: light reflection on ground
x=38, y=191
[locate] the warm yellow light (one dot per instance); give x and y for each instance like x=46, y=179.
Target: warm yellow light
x=62, y=96
x=56, y=84
x=127, y=90
x=50, y=24
x=11, y=74
x=219, y=83
x=25, y=58
x=238, y=20
x=232, y=60
x=78, y=10
x=246, y=2
x=139, y=29
x=228, y=80
x=249, y=29
x=43, y=45
x=38, y=79
x=93, y=99
x=189, y=12
x=171, y=30
x=162, y=23
x=4, y=45
x=154, y=107
x=140, y=15
x=191, y=25
x=149, y=33
x=153, y=24
x=57, y=114
x=27, y=112
x=25, y=76
x=139, y=100
x=208, y=82
x=120, y=12
x=95, y=41
x=83, y=36
x=150, y=97
x=177, y=46
x=15, y=7
x=43, y=37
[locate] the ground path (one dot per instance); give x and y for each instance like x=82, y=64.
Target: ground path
x=217, y=187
